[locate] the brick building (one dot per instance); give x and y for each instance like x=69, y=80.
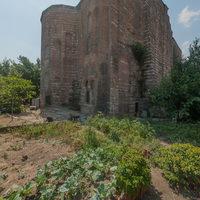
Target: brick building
x=87, y=59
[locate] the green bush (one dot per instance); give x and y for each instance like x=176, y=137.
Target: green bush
x=178, y=92
x=140, y=52
x=91, y=138
x=178, y=133
x=114, y=137
x=125, y=131
x=133, y=173
x=180, y=164
x=14, y=92
x=24, y=68
x=122, y=127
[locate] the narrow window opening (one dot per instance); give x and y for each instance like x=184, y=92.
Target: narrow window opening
x=48, y=100
x=92, y=85
x=136, y=108
x=86, y=84
x=88, y=97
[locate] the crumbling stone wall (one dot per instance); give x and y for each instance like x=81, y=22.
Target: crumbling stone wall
x=91, y=45
x=60, y=53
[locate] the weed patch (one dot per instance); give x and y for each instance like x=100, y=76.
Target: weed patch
x=180, y=164
x=178, y=133
x=89, y=174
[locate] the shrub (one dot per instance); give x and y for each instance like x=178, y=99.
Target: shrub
x=133, y=173
x=121, y=127
x=140, y=52
x=49, y=129
x=114, y=137
x=178, y=133
x=125, y=131
x=14, y=92
x=180, y=164
x=24, y=68
x=178, y=92
x=91, y=139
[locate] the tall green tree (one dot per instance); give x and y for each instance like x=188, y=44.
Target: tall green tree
x=5, y=67
x=24, y=68
x=179, y=92
x=15, y=92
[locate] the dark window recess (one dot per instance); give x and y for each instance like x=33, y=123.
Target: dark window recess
x=48, y=100
x=88, y=97
x=136, y=108
x=86, y=84
x=92, y=84
x=104, y=69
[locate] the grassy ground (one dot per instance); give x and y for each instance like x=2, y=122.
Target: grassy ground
x=102, y=139
x=103, y=149
x=178, y=133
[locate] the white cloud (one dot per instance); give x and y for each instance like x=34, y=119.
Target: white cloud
x=185, y=48
x=187, y=16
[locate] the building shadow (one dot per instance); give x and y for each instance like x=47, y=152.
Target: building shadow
x=152, y=194
x=191, y=195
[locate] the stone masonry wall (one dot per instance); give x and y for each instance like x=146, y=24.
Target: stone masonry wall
x=127, y=28
x=94, y=55
x=60, y=53
x=91, y=45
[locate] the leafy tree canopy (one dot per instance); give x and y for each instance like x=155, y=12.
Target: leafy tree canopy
x=24, y=69
x=179, y=92
x=14, y=92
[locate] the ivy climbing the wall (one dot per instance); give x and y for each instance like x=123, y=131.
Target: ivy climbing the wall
x=140, y=52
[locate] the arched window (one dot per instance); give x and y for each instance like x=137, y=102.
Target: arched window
x=88, y=96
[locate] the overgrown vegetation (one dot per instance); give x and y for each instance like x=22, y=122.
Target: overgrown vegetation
x=110, y=161
x=14, y=92
x=178, y=133
x=71, y=133
x=179, y=92
x=126, y=131
x=89, y=174
x=132, y=174
x=180, y=164
x=19, y=83
x=140, y=52
x=24, y=68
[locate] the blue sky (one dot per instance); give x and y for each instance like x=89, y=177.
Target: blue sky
x=20, y=29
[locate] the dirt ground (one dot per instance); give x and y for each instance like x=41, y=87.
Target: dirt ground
x=29, y=117
x=20, y=158
x=160, y=189
x=57, y=113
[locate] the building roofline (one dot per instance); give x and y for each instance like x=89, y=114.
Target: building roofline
x=52, y=7
x=165, y=5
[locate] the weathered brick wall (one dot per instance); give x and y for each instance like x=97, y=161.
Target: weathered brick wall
x=177, y=53
x=91, y=44
x=127, y=27
x=158, y=39
x=60, y=53
x=94, y=55
x=147, y=22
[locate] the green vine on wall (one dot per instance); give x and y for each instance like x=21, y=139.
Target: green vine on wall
x=140, y=52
